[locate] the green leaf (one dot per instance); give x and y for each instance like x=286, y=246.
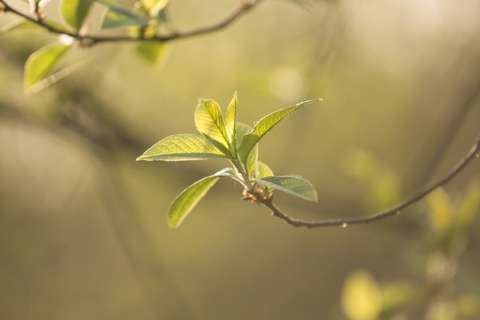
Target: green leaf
x=230, y=120
x=265, y=125
x=151, y=51
x=75, y=12
x=188, y=199
x=293, y=185
x=119, y=16
x=182, y=147
x=263, y=170
x=153, y=7
x=241, y=130
x=252, y=162
x=209, y=122
x=41, y=62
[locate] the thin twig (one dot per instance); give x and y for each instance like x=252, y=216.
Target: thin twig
x=473, y=153
x=90, y=40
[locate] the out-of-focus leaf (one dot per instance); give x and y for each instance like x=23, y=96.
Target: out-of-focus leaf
x=469, y=206
x=265, y=125
x=152, y=52
x=441, y=210
x=119, y=16
x=361, y=297
x=153, y=7
x=182, y=147
x=41, y=62
x=209, y=122
x=188, y=199
x=27, y=26
x=230, y=121
x=75, y=12
x=293, y=185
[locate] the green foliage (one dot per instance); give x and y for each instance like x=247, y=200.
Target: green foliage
x=225, y=138
x=75, y=12
x=40, y=63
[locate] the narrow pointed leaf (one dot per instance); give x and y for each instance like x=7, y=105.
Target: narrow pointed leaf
x=75, y=12
x=209, y=122
x=293, y=185
x=188, y=199
x=230, y=120
x=241, y=129
x=252, y=162
x=120, y=16
x=265, y=125
x=182, y=147
x=41, y=62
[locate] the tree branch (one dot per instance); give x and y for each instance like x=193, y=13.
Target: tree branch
x=473, y=153
x=90, y=40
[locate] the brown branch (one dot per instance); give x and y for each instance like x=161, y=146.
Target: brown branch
x=90, y=40
x=473, y=153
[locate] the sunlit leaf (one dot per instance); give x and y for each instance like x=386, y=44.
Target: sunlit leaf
x=75, y=12
x=182, y=147
x=361, y=297
x=241, y=129
x=265, y=125
x=230, y=121
x=152, y=52
x=209, y=122
x=264, y=171
x=188, y=199
x=293, y=185
x=153, y=7
x=252, y=162
x=41, y=62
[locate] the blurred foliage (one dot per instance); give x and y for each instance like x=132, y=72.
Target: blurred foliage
x=82, y=225
x=441, y=296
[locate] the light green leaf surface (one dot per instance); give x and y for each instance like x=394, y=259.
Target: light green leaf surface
x=264, y=171
x=151, y=52
x=188, y=199
x=209, y=122
x=293, y=185
x=230, y=121
x=153, y=7
x=182, y=147
x=41, y=62
x=265, y=125
x=75, y=12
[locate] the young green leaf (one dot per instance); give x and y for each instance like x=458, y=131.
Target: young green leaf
x=209, y=122
x=153, y=7
x=41, y=62
x=230, y=121
x=182, y=147
x=75, y=12
x=151, y=51
x=188, y=199
x=265, y=125
x=293, y=185
x=264, y=171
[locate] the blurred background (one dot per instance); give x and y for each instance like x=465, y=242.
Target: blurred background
x=83, y=232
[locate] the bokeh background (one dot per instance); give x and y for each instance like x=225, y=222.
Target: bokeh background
x=83, y=232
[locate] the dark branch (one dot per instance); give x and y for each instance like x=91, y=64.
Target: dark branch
x=90, y=40
x=473, y=153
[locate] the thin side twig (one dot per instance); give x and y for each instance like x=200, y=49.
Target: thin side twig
x=473, y=153
x=90, y=40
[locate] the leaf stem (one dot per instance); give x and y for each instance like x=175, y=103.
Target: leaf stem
x=472, y=154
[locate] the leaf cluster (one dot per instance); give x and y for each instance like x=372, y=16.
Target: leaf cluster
x=226, y=138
